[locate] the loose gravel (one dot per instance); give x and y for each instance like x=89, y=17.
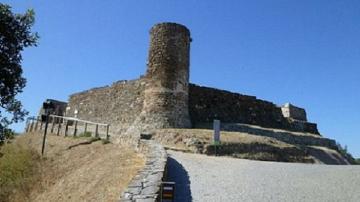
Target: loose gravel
x=206, y=178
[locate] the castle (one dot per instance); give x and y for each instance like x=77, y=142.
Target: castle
x=164, y=98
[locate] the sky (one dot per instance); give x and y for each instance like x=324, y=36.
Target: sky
x=303, y=52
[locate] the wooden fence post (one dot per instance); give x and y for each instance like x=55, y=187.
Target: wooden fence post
x=45, y=131
x=97, y=130
x=41, y=123
x=75, y=129
x=85, y=129
x=27, y=125
x=52, y=126
x=31, y=125
x=66, y=127
x=36, y=124
x=107, y=132
x=59, y=127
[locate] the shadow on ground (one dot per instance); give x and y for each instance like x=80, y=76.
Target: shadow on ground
x=178, y=174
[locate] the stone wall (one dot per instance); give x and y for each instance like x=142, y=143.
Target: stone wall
x=207, y=104
x=118, y=105
x=121, y=106
x=291, y=111
x=164, y=98
x=146, y=185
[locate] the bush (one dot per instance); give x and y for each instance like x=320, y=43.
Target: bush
x=5, y=135
x=344, y=152
x=85, y=134
x=19, y=167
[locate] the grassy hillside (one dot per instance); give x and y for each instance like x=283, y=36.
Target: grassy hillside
x=19, y=170
x=71, y=169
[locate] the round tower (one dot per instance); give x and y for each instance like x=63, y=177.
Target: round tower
x=166, y=92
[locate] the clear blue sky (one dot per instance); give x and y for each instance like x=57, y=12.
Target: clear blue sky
x=304, y=52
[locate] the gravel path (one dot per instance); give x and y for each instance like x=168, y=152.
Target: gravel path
x=205, y=178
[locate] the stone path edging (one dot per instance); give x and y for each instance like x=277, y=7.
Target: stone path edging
x=145, y=186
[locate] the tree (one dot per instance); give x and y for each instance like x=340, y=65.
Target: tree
x=15, y=35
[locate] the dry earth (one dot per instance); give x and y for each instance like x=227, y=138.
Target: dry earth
x=248, y=146
x=179, y=138
x=89, y=172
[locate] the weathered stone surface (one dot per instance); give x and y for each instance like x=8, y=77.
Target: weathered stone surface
x=118, y=104
x=153, y=189
x=291, y=111
x=145, y=200
x=166, y=93
x=134, y=190
x=165, y=99
x=122, y=103
x=207, y=104
x=148, y=181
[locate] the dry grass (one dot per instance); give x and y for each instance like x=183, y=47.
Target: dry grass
x=90, y=172
x=19, y=166
x=245, y=145
x=235, y=144
x=177, y=137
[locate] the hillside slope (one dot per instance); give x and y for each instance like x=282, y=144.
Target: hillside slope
x=73, y=171
x=254, y=142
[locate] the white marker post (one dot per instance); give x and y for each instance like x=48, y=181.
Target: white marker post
x=216, y=133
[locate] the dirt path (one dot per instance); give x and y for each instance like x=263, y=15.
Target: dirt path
x=90, y=172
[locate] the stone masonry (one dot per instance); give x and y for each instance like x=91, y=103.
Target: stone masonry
x=291, y=111
x=146, y=184
x=163, y=98
x=207, y=104
x=166, y=92
x=119, y=104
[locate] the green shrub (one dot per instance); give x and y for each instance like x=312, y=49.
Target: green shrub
x=6, y=134
x=85, y=134
x=344, y=152
x=18, y=170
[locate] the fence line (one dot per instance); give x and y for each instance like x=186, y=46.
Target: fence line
x=32, y=124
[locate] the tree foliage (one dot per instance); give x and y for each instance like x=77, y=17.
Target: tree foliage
x=15, y=35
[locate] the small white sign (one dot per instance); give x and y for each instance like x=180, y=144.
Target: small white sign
x=216, y=131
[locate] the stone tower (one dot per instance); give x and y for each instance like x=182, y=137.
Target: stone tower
x=166, y=91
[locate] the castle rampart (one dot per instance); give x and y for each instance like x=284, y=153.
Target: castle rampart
x=119, y=104
x=207, y=104
x=165, y=99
